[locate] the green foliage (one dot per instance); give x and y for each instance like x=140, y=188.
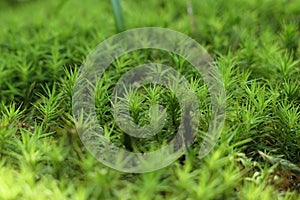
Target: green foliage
x=255, y=45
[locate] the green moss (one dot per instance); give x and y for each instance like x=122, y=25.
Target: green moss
x=256, y=47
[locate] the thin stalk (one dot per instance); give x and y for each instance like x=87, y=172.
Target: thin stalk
x=118, y=15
